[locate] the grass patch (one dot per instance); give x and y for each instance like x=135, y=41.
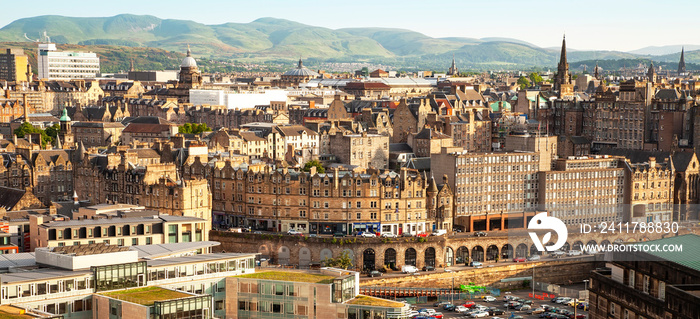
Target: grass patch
x=10, y=312
x=146, y=296
x=372, y=301
x=290, y=276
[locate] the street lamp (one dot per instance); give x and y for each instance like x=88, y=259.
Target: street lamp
x=452, y=289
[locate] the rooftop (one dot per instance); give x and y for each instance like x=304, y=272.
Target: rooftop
x=11, y=312
x=293, y=276
x=372, y=301
x=146, y=296
x=88, y=249
x=688, y=257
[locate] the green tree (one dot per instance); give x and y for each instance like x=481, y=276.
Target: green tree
x=523, y=82
x=343, y=261
x=535, y=78
x=314, y=163
x=53, y=131
x=26, y=129
x=193, y=128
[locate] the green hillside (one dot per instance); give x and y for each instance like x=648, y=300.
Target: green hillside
x=270, y=39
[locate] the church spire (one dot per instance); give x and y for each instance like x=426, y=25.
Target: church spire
x=300, y=64
x=651, y=73
x=681, y=63
x=563, y=76
x=453, y=69
x=595, y=73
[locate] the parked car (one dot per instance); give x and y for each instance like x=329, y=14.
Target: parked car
x=575, y=253
x=519, y=259
x=475, y=264
x=461, y=309
x=406, y=235
x=367, y=235
x=338, y=234
x=408, y=269
x=479, y=314
x=439, y=232
x=496, y=311
x=375, y=273
x=489, y=298
x=448, y=307
x=422, y=235
x=535, y=311
x=469, y=304
x=534, y=257
x=389, y=235
x=480, y=234
x=437, y=315
x=558, y=253
x=293, y=232
x=428, y=268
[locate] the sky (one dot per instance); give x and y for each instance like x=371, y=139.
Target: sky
x=620, y=25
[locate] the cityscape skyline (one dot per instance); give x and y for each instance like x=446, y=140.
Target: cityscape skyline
x=591, y=32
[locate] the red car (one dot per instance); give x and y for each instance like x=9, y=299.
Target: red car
x=519, y=259
x=422, y=235
x=469, y=304
x=580, y=316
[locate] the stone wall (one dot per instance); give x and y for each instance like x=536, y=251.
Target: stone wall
x=555, y=272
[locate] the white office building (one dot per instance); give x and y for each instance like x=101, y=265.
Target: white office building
x=237, y=100
x=64, y=65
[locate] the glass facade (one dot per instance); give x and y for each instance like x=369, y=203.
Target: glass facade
x=197, y=307
x=120, y=276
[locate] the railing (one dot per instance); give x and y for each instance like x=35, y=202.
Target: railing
x=424, y=292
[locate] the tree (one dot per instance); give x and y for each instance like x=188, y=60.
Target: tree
x=53, y=130
x=193, y=128
x=26, y=129
x=343, y=261
x=535, y=78
x=523, y=82
x=314, y=163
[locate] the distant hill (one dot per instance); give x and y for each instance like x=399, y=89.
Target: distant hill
x=270, y=39
x=665, y=50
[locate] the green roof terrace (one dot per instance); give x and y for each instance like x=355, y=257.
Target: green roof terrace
x=292, y=276
x=362, y=300
x=146, y=296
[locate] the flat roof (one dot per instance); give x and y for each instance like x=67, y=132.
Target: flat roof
x=196, y=259
x=294, y=276
x=17, y=260
x=163, y=250
x=119, y=220
x=146, y=296
x=41, y=274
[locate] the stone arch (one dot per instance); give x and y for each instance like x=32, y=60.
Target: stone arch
x=491, y=252
x=429, y=257
x=410, y=257
x=264, y=252
x=390, y=257
x=507, y=252
x=326, y=254
x=462, y=255
x=591, y=243
x=521, y=251
x=578, y=245
x=351, y=255
x=368, y=259
x=605, y=242
x=478, y=253
x=304, y=257
x=283, y=255
x=566, y=247
x=534, y=251
x=449, y=256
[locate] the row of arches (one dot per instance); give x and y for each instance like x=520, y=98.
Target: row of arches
x=460, y=255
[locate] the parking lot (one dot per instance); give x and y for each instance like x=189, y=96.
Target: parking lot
x=499, y=304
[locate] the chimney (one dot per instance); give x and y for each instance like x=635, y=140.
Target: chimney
x=444, y=179
x=312, y=170
x=652, y=162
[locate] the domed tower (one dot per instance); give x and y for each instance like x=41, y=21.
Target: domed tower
x=190, y=77
x=66, y=133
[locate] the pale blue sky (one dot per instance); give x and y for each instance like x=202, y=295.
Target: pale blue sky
x=589, y=24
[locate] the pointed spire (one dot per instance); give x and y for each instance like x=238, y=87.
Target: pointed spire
x=562, y=58
x=58, y=142
x=595, y=73
x=300, y=64
x=189, y=52
x=80, y=152
x=681, y=63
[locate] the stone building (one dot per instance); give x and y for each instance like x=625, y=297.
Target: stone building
x=334, y=202
x=650, y=191
x=97, y=134
x=360, y=149
x=428, y=141
x=409, y=118
x=584, y=190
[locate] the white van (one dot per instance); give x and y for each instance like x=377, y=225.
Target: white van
x=439, y=232
x=408, y=269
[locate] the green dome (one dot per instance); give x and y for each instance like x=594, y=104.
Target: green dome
x=64, y=116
